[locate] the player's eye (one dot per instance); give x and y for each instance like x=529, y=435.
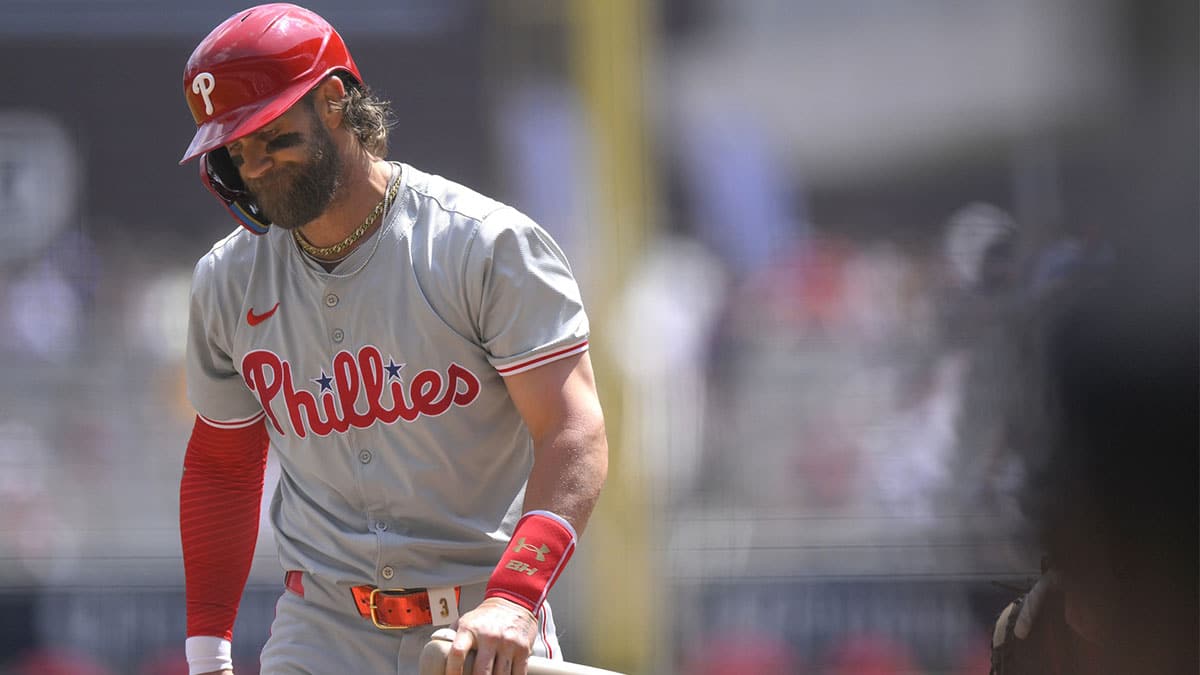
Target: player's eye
x=284, y=141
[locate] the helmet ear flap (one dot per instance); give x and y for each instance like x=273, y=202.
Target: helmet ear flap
x=221, y=178
x=221, y=164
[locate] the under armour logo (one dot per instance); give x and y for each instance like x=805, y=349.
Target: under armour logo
x=539, y=551
x=203, y=84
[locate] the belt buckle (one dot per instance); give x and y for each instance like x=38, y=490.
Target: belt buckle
x=375, y=616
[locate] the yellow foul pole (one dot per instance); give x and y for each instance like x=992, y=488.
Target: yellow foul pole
x=610, y=40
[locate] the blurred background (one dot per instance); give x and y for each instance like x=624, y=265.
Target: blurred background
x=804, y=230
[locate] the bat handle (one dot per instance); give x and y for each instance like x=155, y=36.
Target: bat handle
x=433, y=656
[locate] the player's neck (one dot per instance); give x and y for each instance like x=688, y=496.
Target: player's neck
x=364, y=185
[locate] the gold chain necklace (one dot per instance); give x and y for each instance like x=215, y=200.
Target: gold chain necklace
x=322, y=252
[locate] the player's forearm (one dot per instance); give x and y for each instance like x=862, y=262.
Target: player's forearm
x=219, y=501
x=218, y=527
x=570, y=467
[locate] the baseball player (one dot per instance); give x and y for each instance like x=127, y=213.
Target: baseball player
x=416, y=354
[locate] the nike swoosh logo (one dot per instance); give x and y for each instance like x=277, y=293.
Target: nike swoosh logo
x=255, y=319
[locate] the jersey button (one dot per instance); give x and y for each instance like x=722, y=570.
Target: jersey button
x=338, y=335
x=387, y=572
x=365, y=456
x=331, y=300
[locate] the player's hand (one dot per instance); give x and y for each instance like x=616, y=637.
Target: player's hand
x=1046, y=584
x=502, y=635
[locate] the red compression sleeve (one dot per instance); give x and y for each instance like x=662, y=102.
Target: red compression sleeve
x=541, y=545
x=219, y=498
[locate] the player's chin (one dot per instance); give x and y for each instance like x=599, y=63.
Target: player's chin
x=291, y=212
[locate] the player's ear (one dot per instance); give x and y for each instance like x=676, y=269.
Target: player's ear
x=327, y=99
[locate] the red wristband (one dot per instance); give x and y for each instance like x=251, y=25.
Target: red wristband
x=541, y=545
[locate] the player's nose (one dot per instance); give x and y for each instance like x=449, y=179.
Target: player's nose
x=255, y=161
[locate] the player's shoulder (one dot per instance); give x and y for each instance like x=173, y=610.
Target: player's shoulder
x=449, y=201
x=454, y=216
x=230, y=257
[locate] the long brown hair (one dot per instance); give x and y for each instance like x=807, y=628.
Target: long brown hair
x=367, y=116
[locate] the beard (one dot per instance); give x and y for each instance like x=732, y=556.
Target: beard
x=290, y=195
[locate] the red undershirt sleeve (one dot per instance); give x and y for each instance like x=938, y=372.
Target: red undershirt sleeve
x=219, y=502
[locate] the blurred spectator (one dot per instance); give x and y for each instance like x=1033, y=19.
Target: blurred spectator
x=915, y=446
x=667, y=315
x=981, y=299
x=979, y=244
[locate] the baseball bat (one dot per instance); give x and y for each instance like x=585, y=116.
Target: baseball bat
x=433, y=662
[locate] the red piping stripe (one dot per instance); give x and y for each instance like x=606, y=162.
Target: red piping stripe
x=546, y=640
x=517, y=366
x=233, y=424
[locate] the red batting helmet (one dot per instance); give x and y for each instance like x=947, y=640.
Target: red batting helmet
x=253, y=67
x=248, y=71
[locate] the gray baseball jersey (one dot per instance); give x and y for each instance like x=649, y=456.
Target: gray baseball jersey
x=403, y=458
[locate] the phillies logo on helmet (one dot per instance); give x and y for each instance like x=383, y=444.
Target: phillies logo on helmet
x=361, y=391
x=203, y=85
